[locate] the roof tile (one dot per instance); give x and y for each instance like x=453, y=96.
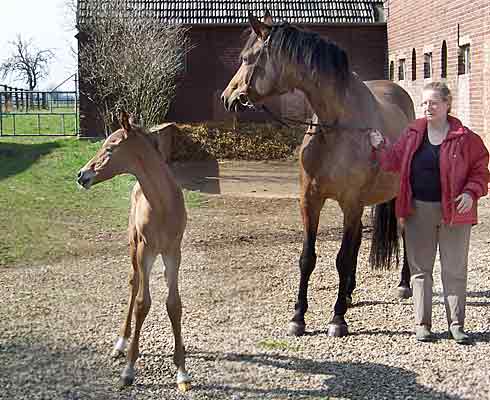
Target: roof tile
x=235, y=11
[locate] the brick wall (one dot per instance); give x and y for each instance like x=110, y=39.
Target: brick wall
x=215, y=59
x=423, y=26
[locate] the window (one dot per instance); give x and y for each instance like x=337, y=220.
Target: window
x=464, y=59
x=414, y=65
x=427, y=65
x=392, y=71
x=444, y=60
x=401, y=69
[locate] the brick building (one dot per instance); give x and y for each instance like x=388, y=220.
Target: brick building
x=443, y=40
x=217, y=35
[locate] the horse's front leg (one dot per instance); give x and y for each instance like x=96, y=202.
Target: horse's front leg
x=145, y=259
x=403, y=290
x=346, y=267
x=174, y=310
x=311, y=206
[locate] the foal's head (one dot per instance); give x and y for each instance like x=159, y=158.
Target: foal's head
x=122, y=151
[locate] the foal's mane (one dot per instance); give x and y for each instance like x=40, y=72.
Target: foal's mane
x=317, y=54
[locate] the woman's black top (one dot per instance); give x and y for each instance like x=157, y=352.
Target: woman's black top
x=425, y=173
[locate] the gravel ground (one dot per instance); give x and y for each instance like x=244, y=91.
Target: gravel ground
x=238, y=284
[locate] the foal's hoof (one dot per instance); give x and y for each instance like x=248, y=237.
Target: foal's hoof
x=116, y=353
x=184, y=386
x=183, y=381
x=296, y=328
x=403, y=292
x=125, y=380
x=127, y=377
x=337, y=330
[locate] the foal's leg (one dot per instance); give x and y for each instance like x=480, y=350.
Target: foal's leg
x=125, y=331
x=174, y=310
x=403, y=289
x=145, y=259
x=346, y=259
x=311, y=206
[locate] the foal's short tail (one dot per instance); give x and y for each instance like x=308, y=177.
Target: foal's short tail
x=384, y=244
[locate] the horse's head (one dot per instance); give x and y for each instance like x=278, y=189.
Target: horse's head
x=122, y=152
x=259, y=74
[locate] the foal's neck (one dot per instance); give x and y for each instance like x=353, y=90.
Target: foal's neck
x=155, y=178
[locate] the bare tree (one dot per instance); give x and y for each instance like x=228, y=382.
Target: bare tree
x=129, y=60
x=27, y=63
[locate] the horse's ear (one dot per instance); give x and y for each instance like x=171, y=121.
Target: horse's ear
x=260, y=29
x=124, y=121
x=267, y=18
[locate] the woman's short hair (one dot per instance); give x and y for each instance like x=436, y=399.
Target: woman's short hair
x=443, y=90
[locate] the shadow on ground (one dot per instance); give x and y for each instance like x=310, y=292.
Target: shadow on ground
x=338, y=379
x=17, y=157
x=87, y=372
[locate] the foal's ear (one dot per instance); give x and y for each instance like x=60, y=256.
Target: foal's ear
x=267, y=18
x=124, y=121
x=260, y=29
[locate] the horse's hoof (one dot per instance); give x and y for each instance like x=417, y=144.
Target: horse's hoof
x=403, y=292
x=184, y=386
x=336, y=330
x=296, y=328
x=348, y=300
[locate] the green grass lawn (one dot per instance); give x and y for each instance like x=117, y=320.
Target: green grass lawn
x=43, y=123
x=44, y=215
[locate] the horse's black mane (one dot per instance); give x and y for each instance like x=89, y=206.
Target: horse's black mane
x=316, y=53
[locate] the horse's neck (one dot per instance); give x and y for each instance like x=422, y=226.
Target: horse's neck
x=330, y=106
x=155, y=179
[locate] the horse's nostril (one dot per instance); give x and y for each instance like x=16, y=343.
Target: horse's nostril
x=79, y=175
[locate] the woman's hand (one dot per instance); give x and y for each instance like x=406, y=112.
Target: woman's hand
x=376, y=138
x=465, y=203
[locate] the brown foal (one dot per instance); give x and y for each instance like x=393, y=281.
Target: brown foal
x=157, y=222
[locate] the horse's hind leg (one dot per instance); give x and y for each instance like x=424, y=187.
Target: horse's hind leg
x=311, y=207
x=351, y=280
x=403, y=290
x=174, y=310
x=346, y=259
x=145, y=259
x=125, y=330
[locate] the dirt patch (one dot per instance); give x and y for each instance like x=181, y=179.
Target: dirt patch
x=267, y=179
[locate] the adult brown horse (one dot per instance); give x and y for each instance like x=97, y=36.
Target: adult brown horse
x=157, y=222
x=335, y=157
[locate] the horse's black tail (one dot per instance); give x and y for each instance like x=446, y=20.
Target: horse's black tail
x=384, y=244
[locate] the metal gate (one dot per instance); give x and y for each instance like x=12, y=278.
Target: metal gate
x=37, y=113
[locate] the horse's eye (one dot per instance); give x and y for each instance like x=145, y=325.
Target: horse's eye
x=246, y=59
x=109, y=151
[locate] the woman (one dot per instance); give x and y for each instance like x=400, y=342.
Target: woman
x=443, y=170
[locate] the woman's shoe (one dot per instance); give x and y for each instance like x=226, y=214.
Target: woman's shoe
x=423, y=334
x=459, y=336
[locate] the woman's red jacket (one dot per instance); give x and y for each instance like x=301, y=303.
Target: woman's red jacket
x=463, y=167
